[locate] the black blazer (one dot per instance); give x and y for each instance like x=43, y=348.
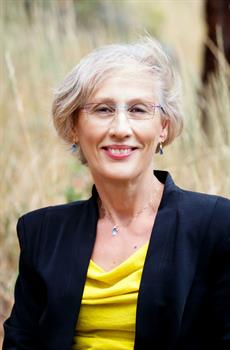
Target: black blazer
x=183, y=302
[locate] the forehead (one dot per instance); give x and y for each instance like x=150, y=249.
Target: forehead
x=126, y=84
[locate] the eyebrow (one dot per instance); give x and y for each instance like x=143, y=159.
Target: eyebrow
x=109, y=100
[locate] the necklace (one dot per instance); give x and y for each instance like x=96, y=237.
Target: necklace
x=116, y=228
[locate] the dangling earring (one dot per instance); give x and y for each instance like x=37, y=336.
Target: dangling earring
x=74, y=147
x=161, y=149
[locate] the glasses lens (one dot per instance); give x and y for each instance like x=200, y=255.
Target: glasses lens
x=99, y=113
x=141, y=111
x=100, y=110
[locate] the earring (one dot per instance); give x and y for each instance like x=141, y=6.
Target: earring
x=161, y=149
x=74, y=147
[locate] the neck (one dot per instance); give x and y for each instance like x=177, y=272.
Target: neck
x=124, y=199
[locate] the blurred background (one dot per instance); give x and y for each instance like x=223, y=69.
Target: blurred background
x=42, y=40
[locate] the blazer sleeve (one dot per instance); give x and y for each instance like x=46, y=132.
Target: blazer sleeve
x=21, y=328
x=220, y=224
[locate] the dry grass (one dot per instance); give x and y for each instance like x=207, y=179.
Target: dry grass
x=36, y=169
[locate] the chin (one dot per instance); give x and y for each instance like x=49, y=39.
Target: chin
x=120, y=174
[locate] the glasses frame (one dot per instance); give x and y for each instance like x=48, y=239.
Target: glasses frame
x=124, y=107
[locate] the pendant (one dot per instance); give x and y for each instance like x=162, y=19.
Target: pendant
x=115, y=230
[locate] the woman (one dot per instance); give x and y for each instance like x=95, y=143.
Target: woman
x=142, y=264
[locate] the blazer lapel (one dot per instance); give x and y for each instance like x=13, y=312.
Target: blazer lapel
x=66, y=273
x=80, y=260
x=156, y=316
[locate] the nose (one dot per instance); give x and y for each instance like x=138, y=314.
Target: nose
x=120, y=126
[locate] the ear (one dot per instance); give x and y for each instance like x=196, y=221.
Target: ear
x=74, y=135
x=74, y=131
x=164, y=130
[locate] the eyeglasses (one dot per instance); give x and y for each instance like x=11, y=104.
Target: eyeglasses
x=106, y=112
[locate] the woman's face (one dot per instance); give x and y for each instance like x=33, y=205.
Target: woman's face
x=122, y=148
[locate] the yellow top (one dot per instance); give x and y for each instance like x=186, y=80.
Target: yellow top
x=107, y=316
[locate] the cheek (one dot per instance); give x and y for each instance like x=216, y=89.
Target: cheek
x=88, y=141
x=150, y=134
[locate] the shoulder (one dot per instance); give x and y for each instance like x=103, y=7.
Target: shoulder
x=191, y=202
x=206, y=202
x=58, y=212
x=207, y=215
x=49, y=221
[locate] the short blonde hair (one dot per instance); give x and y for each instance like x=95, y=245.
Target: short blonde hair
x=77, y=87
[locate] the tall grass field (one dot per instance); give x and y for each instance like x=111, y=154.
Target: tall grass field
x=41, y=42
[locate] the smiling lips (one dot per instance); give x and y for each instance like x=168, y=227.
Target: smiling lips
x=119, y=151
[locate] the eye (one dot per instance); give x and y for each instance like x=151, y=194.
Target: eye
x=103, y=109
x=139, y=108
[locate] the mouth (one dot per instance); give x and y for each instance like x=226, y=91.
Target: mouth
x=119, y=151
